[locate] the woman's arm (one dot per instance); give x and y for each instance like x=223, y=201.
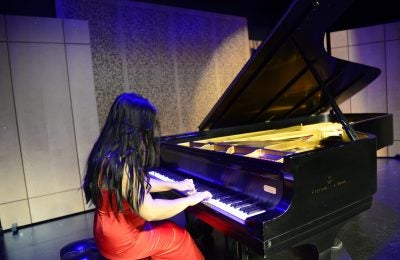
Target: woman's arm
x=158, y=209
x=158, y=185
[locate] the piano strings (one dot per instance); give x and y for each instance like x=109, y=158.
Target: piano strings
x=274, y=144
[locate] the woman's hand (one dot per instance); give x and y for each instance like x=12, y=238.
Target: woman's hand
x=197, y=197
x=186, y=185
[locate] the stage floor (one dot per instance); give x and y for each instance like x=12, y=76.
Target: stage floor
x=374, y=234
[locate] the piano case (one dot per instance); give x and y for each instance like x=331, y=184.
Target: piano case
x=289, y=84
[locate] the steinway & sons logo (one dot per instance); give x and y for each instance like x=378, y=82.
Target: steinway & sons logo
x=329, y=185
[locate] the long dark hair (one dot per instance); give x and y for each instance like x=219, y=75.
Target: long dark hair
x=128, y=142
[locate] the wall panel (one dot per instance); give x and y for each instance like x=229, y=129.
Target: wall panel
x=393, y=83
x=44, y=117
x=377, y=46
x=105, y=45
x=56, y=205
x=15, y=212
x=2, y=28
x=392, y=31
x=342, y=53
x=373, y=98
x=196, y=78
x=181, y=60
x=365, y=35
x=149, y=55
x=12, y=184
x=34, y=29
x=83, y=98
x=48, y=117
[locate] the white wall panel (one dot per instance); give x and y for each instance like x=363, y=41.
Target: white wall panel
x=393, y=83
x=83, y=100
x=12, y=182
x=343, y=53
x=15, y=212
x=44, y=117
x=56, y=205
x=392, y=31
x=366, y=35
x=339, y=39
x=34, y=29
x=395, y=148
x=373, y=98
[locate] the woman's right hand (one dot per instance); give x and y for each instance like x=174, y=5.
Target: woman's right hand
x=197, y=197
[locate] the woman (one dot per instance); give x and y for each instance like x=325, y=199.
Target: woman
x=118, y=184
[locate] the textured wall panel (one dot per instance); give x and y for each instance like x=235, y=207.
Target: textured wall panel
x=34, y=29
x=232, y=49
x=56, y=205
x=196, y=77
x=44, y=117
x=180, y=59
x=12, y=184
x=150, y=62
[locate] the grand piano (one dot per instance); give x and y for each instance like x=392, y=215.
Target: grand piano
x=285, y=166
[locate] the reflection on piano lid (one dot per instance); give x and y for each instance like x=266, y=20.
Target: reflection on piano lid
x=269, y=142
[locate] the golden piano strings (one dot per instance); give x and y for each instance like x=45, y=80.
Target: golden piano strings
x=274, y=144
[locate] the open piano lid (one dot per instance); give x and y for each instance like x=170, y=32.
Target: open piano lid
x=290, y=72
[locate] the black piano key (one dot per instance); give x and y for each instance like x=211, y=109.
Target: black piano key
x=241, y=203
x=257, y=209
x=220, y=196
x=247, y=208
x=230, y=200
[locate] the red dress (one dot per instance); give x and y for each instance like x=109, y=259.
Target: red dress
x=128, y=236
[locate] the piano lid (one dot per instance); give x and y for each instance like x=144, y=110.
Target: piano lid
x=287, y=74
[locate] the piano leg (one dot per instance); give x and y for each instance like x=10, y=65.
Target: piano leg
x=336, y=252
x=324, y=246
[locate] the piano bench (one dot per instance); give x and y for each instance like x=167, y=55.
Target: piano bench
x=81, y=249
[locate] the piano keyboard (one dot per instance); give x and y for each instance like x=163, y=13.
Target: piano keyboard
x=237, y=207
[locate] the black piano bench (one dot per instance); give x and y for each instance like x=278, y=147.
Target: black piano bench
x=80, y=250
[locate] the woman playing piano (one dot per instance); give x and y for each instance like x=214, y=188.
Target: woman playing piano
x=117, y=182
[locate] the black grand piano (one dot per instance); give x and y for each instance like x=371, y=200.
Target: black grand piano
x=286, y=168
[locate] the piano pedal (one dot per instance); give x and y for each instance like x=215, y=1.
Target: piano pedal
x=235, y=250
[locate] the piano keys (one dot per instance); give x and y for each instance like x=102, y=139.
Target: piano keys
x=286, y=167
x=238, y=207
